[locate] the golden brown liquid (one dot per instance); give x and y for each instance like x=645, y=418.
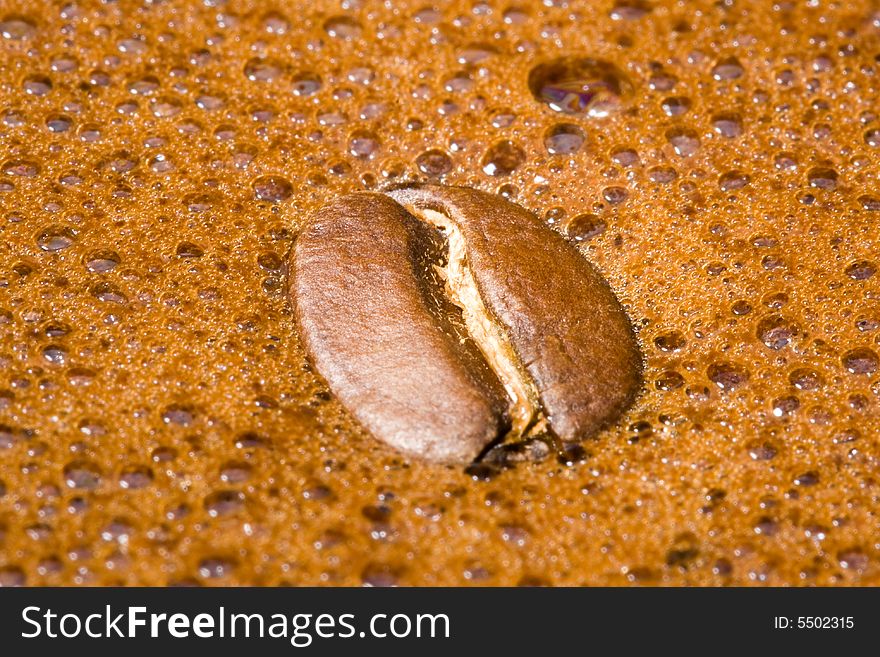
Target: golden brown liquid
x=160, y=423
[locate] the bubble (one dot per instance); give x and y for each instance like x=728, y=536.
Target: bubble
x=822, y=178
x=807, y=479
x=17, y=28
x=670, y=341
x=685, y=142
x=776, y=331
x=727, y=125
x=363, y=144
x=860, y=361
x=58, y=123
x=861, y=270
x=262, y=70
x=165, y=107
x=180, y=415
x=21, y=168
x=564, y=139
x=343, y=27
x=82, y=475
x=502, y=158
x=12, y=576
x=762, y=450
x=615, y=195
x=274, y=189
x=235, y=472
x=306, y=83
x=135, y=477
x=380, y=575
x=584, y=227
x=189, y=250
x=870, y=203
x=275, y=23
x=9, y=436
x=56, y=238
x=102, y=261
x=629, y=10
x=729, y=68
x=216, y=568
x=676, y=105
x=853, y=559
x=727, y=375
x=733, y=180
x=109, y=293
x=37, y=85
x=434, y=162
x=588, y=86
x=805, y=378
x=669, y=380
x=55, y=354
x=872, y=138
x=625, y=157
x=662, y=175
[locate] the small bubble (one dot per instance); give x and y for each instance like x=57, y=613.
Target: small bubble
x=727, y=375
x=727, y=125
x=363, y=144
x=822, y=178
x=12, y=576
x=625, y=157
x=56, y=238
x=860, y=361
x=670, y=341
x=580, y=86
x=805, y=378
x=669, y=380
x=615, y=195
x=861, y=270
x=17, y=28
x=629, y=10
x=306, y=83
x=853, y=559
x=102, y=261
x=179, y=415
x=733, y=180
x=776, y=331
x=762, y=451
x=262, y=70
x=662, y=175
x=189, y=250
x=676, y=105
x=135, y=477
x=502, y=158
x=82, y=474
x=584, y=227
x=434, y=162
x=272, y=188
x=343, y=27
x=684, y=142
x=108, y=293
x=564, y=139
x=728, y=69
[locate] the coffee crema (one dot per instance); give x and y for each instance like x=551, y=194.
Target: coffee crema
x=161, y=423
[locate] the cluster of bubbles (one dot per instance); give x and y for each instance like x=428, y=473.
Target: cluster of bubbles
x=159, y=423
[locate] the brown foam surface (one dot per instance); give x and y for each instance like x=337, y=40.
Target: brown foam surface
x=159, y=424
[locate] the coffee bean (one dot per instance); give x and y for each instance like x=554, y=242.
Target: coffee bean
x=446, y=319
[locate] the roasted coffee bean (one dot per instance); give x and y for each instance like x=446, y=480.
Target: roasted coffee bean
x=446, y=319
